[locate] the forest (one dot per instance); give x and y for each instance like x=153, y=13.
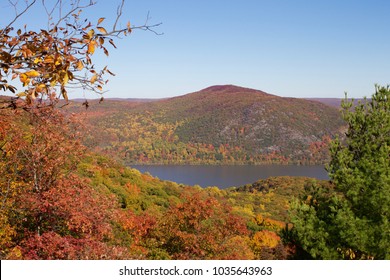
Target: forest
x=66, y=194
x=251, y=127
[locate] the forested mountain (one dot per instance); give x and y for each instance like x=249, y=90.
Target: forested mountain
x=219, y=124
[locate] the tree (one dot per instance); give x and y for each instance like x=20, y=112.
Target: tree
x=48, y=62
x=46, y=211
x=352, y=219
x=202, y=227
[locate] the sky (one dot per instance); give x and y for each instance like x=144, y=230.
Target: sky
x=299, y=48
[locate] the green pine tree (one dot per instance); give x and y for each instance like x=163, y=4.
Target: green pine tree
x=351, y=220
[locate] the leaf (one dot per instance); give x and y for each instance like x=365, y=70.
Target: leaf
x=12, y=88
x=105, y=51
x=128, y=27
x=101, y=20
x=102, y=29
x=91, y=33
x=64, y=93
x=112, y=43
x=112, y=74
x=23, y=78
x=93, y=79
x=91, y=47
x=80, y=65
x=48, y=59
x=21, y=94
x=65, y=79
x=32, y=74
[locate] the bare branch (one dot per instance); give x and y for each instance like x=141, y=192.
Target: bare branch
x=18, y=15
x=119, y=14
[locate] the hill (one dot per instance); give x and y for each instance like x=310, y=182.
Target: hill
x=217, y=125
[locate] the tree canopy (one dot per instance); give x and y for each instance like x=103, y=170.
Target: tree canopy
x=352, y=219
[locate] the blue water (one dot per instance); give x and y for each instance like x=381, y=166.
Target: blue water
x=227, y=176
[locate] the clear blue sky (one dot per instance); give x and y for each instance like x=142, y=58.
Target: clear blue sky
x=299, y=48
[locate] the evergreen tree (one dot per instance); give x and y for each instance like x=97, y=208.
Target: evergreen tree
x=351, y=220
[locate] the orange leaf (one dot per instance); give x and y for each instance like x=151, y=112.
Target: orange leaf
x=101, y=20
x=102, y=29
x=93, y=79
x=128, y=27
x=80, y=65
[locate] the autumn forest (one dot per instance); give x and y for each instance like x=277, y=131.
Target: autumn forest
x=67, y=191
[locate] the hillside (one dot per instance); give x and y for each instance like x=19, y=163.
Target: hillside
x=62, y=201
x=217, y=125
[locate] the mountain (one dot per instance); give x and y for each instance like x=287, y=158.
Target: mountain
x=219, y=124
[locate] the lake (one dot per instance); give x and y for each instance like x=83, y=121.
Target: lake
x=228, y=175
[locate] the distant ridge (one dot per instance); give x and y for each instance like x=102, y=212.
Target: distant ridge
x=334, y=102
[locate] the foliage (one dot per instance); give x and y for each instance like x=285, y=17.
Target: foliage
x=226, y=125
x=50, y=60
x=109, y=211
x=60, y=201
x=352, y=220
x=203, y=228
x=46, y=210
x=40, y=196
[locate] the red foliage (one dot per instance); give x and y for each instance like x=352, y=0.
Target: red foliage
x=53, y=213
x=201, y=227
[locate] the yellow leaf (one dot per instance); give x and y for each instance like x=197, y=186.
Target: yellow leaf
x=32, y=74
x=58, y=61
x=102, y=29
x=91, y=33
x=91, y=47
x=23, y=78
x=65, y=79
x=21, y=94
